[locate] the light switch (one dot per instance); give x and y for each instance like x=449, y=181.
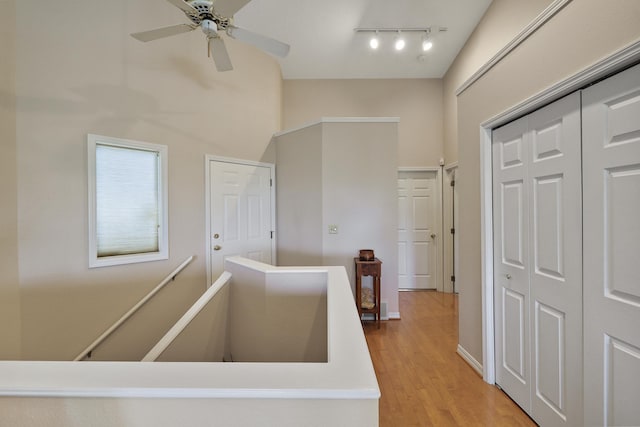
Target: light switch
x=333, y=229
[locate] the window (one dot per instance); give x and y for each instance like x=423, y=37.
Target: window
x=127, y=201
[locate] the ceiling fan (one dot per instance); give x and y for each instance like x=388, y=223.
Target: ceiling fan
x=214, y=16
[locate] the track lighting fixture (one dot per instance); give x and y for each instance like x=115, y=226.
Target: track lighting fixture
x=401, y=41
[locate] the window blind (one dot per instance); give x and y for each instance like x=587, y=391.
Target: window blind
x=127, y=202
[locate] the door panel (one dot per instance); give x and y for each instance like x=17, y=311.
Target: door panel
x=611, y=164
x=550, y=349
x=417, y=230
x=513, y=221
x=240, y=213
x=513, y=331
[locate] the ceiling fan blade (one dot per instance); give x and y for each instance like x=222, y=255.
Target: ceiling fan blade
x=267, y=44
x=228, y=8
x=219, y=54
x=158, y=33
x=186, y=7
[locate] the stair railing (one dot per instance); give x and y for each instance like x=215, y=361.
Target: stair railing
x=186, y=319
x=172, y=276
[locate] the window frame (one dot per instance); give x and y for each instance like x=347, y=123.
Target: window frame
x=163, y=201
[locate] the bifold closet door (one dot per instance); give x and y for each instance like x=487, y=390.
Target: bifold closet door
x=611, y=150
x=511, y=261
x=538, y=262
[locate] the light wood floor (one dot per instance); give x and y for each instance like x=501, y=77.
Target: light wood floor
x=422, y=379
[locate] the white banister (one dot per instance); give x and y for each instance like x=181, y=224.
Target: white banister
x=184, y=321
x=131, y=311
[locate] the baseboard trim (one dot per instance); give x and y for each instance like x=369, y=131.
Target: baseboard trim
x=393, y=315
x=467, y=357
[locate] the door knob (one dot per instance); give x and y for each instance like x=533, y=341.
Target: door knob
x=508, y=276
x=433, y=235
x=217, y=247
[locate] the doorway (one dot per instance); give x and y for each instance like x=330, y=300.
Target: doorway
x=419, y=230
x=240, y=212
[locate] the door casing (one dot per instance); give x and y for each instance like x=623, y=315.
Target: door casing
x=438, y=209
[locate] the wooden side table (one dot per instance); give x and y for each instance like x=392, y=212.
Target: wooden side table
x=373, y=269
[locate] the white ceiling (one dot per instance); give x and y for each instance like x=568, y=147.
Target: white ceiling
x=324, y=44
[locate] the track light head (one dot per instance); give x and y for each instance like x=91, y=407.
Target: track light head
x=399, y=43
x=427, y=44
x=374, y=42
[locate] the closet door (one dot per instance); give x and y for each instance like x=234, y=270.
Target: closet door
x=555, y=212
x=611, y=146
x=537, y=262
x=511, y=260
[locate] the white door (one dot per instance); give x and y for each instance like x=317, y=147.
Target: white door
x=511, y=261
x=418, y=234
x=538, y=269
x=240, y=213
x=611, y=156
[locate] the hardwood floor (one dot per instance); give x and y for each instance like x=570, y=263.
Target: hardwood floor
x=422, y=379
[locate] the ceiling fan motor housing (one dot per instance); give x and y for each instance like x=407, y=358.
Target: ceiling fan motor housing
x=209, y=28
x=203, y=10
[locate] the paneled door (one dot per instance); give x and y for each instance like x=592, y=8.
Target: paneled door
x=418, y=230
x=511, y=258
x=611, y=163
x=538, y=267
x=241, y=222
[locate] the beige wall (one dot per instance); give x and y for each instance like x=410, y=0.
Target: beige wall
x=9, y=280
x=344, y=174
x=579, y=35
x=299, y=177
x=418, y=103
x=501, y=23
x=360, y=187
x=78, y=71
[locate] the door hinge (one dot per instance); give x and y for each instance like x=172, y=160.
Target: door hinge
x=453, y=182
x=453, y=278
x=272, y=234
x=270, y=182
x=453, y=231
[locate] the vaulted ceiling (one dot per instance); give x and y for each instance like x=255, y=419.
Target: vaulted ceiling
x=325, y=45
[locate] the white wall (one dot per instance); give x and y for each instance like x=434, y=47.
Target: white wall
x=583, y=32
x=76, y=72
x=157, y=412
